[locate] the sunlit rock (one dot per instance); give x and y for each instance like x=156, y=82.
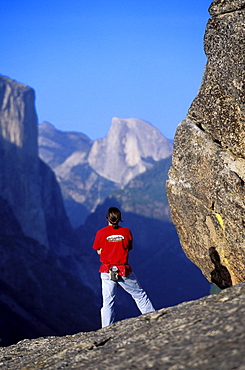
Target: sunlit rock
x=206, y=190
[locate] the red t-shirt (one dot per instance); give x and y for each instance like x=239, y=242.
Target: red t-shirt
x=115, y=245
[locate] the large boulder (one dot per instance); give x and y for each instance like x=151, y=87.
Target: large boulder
x=206, y=181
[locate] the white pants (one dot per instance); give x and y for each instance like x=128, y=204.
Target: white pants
x=109, y=291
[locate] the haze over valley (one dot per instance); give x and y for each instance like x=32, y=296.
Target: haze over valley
x=50, y=278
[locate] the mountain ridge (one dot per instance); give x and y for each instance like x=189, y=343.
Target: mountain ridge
x=129, y=145
x=88, y=171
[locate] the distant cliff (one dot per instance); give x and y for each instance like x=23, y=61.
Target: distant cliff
x=42, y=283
x=89, y=171
x=131, y=145
x=19, y=165
x=206, y=182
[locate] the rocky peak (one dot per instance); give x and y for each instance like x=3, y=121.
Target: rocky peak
x=129, y=149
x=19, y=165
x=89, y=171
x=27, y=186
x=18, y=119
x=56, y=146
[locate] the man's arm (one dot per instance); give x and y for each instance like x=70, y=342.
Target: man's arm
x=99, y=251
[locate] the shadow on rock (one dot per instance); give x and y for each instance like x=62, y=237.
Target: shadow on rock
x=220, y=276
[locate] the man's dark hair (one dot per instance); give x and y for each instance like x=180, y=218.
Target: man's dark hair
x=114, y=216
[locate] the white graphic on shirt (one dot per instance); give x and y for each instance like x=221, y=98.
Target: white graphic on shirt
x=115, y=238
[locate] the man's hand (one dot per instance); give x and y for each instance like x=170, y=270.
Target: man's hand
x=99, y=251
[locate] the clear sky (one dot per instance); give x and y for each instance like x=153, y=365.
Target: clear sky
x=91, y=60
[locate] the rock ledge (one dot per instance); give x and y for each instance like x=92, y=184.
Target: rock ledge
x=203, y=334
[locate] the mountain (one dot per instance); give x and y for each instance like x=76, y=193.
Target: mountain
x=132, y=146
x=89, y=171
x=56, y=146
x=44, y=290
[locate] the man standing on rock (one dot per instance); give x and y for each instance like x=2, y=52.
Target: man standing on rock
x=113, y=243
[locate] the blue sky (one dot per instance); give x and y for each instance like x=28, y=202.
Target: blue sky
x=91, y=60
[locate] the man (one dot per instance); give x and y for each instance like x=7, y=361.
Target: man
x=113, y=243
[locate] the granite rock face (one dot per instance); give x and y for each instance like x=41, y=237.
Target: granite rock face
x=27, y=184
x=43, y=284
x=90, y=171
x=18, y=115
x=18, y=139
x=206, y=334
x=131, y=145
x=206, y=190
x=224, y=6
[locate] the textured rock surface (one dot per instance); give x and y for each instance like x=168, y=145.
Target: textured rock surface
x=224, y=6
x=131, y=146
x=206, y=190
x=18, y=139
x=18, y=115
x=207, y=334
x=26, y=183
